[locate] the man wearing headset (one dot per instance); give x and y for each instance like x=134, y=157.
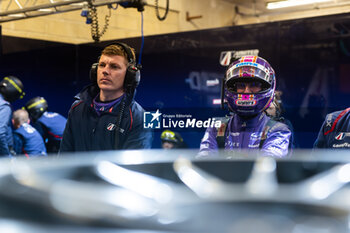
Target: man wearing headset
x=11, y=89
x=335, y=131
x=105, y=115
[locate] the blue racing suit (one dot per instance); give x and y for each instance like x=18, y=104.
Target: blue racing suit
x=6, y=140
x=253, y=133
x=335, y=131
x=51, y=126
x=28, y=141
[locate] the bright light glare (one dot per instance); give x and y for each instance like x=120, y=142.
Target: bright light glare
x=320, y=190
x=290, y=3
x=192, y=178
x=45, y=10
x=137, y=182
x=344, y=173
x=16, y=15
x=131, y=202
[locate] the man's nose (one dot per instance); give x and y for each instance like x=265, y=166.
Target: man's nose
x=105, y=69
x=247, y=89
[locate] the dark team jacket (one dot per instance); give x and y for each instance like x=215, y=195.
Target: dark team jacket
x=51, y=126
x=87, y=131
x=28, y=141
x=6, y=140
x=335, y=131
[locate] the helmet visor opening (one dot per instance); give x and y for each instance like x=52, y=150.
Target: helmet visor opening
x=247, y=85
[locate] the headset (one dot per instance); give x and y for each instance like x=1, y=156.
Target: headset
x=132, y=75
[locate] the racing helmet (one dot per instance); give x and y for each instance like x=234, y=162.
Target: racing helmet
x=173, y=137
x=249, y=69
x=36, y=107
x=11, y=88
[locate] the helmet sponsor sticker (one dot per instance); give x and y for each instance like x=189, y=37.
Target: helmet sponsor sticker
x=245, y=102
x=225, y=56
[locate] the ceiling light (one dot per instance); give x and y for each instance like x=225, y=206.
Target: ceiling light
x=45, y=10
x=290, y=3
x=16, y=15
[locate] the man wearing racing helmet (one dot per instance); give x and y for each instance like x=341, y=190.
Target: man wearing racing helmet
x=248, y=89
x=11, y=89
x=172, y=140
x=50, y=125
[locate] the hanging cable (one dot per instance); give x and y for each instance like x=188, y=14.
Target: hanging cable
x=142, y=40
x=95, y=31
x=166, y=10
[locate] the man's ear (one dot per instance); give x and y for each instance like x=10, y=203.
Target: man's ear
x=28, y=121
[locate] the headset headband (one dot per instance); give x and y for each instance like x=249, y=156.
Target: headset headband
x=127, y=50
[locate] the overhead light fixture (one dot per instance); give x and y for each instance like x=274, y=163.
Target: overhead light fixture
x=45, y=10
x=16, y=15
x=290, y=3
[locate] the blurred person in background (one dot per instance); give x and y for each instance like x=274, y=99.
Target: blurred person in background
x=11, y=89
x=26, y=138
x=335, y=131
x=276, y=111
x=50, y=125
x=172, y=140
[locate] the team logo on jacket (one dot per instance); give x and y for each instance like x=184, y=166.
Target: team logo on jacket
x=342, y=135
x=111, y=126
x=151, y=120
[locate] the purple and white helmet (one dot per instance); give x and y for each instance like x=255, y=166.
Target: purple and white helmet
x=249, y=69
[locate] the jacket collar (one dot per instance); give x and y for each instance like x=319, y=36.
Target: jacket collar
x=88, y=93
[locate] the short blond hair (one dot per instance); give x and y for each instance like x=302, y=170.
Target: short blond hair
x=116, y=49
x=20, y=116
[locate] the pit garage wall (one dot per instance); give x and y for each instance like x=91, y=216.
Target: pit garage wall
x=311, y=58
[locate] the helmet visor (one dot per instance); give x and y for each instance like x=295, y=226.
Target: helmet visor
x=248, y=70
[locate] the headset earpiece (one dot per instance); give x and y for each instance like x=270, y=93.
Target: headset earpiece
x=93, y=73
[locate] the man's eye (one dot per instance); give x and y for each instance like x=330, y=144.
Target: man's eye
x=240, y=85
x=255, y=84
x=101, y=64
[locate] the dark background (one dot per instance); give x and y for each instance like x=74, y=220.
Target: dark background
x=311, y=58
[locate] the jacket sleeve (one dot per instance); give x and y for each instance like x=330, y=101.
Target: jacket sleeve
x=17, y=143
x=5, y=114
x=137, y=137
x=209, y=145
x=277, y=141
x=38, y=126
x=67, y=143
x=321, y=139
